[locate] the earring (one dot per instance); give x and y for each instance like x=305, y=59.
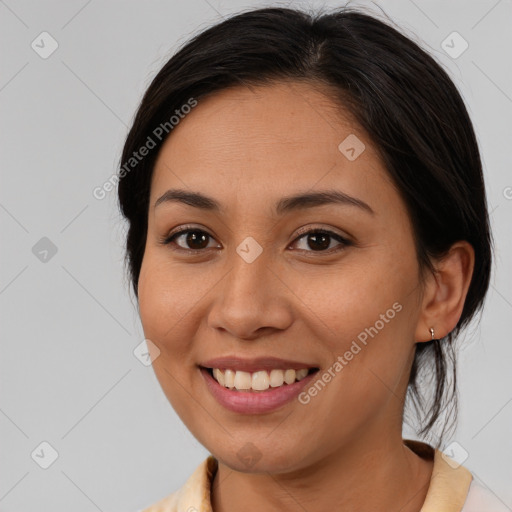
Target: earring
x=432, y=333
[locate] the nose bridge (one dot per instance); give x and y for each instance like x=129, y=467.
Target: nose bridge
x=247, y=282
x=249, y=297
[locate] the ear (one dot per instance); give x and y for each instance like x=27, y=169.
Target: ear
x=445, y=292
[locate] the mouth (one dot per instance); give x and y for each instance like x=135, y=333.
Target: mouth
x=258, y=381
x=237, y=393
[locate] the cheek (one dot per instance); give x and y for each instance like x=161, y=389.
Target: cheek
x=349, y=297
x=165, y=306
x=363, y=311
x=166, y=297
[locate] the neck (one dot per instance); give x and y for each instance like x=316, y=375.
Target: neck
x=388, y=476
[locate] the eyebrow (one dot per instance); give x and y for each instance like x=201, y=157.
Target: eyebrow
x=285, y=205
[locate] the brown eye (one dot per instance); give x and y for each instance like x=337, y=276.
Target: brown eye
x=191, y=239
x=319, y=240
x=196, y=239
x=316, y=240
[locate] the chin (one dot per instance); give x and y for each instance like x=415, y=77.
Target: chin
x=259, y=457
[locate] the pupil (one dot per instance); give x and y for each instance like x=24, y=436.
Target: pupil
x=197, y=236
x=324, y=244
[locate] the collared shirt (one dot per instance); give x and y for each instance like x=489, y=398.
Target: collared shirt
x=452, y=487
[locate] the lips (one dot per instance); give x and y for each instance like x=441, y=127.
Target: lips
x=254, y=402
x=255, y=364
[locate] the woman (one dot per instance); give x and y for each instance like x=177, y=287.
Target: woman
x=308, y=234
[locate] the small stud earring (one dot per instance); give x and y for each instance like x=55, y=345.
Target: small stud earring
x=432, y=333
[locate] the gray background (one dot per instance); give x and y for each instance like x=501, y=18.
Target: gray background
x=69, y=324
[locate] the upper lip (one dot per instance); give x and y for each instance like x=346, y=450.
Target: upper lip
x=255, y=364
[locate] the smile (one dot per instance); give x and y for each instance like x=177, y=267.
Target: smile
x=259, y=380
x=256, y=401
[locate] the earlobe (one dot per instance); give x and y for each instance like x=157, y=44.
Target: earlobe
x=445, y=292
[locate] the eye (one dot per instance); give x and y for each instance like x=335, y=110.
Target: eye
x=319, y=240
x=194, y=239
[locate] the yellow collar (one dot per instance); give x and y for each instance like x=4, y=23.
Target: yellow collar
x=449, y=483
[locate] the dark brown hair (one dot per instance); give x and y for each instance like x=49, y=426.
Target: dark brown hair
x=396, y=91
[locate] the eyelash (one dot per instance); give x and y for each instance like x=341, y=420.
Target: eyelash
x=169, y=239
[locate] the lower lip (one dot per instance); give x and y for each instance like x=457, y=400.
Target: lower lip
x=255, y=402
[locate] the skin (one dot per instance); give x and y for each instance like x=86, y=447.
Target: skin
x=343, y=450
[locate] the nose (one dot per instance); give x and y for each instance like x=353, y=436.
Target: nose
x=251, y=300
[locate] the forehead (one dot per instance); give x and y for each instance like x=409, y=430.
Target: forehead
x=270, y=140
x=288, y=113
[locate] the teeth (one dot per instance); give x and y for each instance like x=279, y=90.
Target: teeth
x=260, y=381
x=229, y=378
x=219, y=376
x=302, y=373
x=242, y=380
x=289, y=376
x=276, y=378
x=257, y=381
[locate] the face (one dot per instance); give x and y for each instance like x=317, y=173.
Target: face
x=246, y=279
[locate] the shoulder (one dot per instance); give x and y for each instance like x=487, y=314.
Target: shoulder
x=194, y=495
x=480, y=499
